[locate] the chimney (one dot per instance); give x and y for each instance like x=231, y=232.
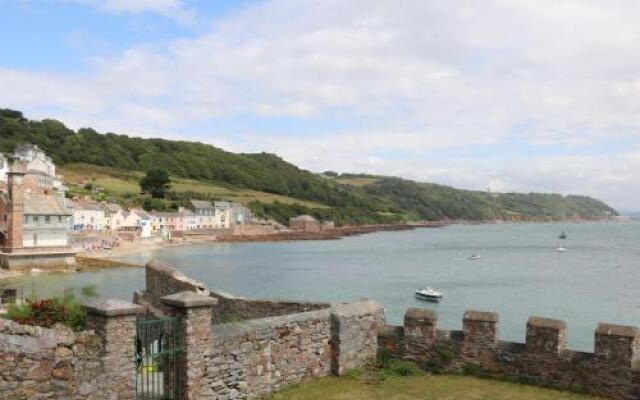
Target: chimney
x=15, y=184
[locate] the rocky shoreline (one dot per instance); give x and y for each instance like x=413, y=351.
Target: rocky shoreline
x=328, y=234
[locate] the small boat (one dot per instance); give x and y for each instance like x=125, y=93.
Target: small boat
x=429, y=293
x=474, y=257
x=563, y=235
x=562, y=249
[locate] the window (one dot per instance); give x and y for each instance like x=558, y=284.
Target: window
x=25, y=219
x=47, y=219
x=59, y=218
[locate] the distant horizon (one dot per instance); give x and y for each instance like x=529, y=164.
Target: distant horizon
x=535, y=96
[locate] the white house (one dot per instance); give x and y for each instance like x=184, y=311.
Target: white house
x=222, y=214
x=110, y=210
x=86, y=216
x=134, y=220
x=189, y=217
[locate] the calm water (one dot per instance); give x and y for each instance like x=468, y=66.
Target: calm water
x=521, y=273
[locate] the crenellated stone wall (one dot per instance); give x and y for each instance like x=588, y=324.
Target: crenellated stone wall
x=611, y=371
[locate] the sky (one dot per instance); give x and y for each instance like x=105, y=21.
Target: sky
x=501, y=95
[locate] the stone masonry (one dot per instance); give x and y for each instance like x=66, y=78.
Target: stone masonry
x=612, y=371
x=239, y=348
x=40, y=363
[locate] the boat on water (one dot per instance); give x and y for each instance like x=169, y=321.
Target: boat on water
x=474, y=257
x=562, y=249
x=429, y=293
x=563, y=235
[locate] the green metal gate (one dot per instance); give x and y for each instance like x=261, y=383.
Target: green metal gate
x=158, y=359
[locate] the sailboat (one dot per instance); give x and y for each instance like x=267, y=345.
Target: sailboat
x=563, y=235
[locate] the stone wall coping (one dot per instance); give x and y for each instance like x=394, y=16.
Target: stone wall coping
x=189, y=300
x=363, y=307
x=235, y=329
x=421, y=313
x=178, y=275
x=631, y=332
x=541, y=322
x=483, y=316
x=229, y=296
x=112, y=307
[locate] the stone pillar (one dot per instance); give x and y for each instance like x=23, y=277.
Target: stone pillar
x=196, y=314
x=546, y=336
x=420, y=331
x=114, y=322
x=354, y=334
x=618, y=345
x=480, y=334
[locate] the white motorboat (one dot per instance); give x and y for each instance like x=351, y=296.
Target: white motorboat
x=429, y=293
x=562, y=249
x=474, y=257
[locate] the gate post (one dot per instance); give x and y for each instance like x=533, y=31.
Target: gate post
x=114, y=322
x=196, y=314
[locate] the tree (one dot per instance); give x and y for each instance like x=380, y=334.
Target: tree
x=156, y=182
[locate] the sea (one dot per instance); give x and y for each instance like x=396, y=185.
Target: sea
x=521, y=273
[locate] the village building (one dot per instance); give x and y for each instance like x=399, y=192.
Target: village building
x=134, y=221
x=110, y=210
x=205, y=214
x=190, y=220
x=240, y=215
x=304, y=223
x=222, y=214
x=86, y=216
x=34, y=217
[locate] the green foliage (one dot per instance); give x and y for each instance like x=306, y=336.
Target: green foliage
x=47, y=312
x=369, y=199
x=390, y=366
x=156, y=182
x=441, y=360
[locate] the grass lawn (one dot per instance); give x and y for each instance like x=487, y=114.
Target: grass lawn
x=441, y=387
x=121, y=184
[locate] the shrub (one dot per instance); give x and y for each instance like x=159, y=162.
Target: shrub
x=47, y=312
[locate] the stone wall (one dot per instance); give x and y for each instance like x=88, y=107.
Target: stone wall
x=611, y=371
x=232, y=309
x=255, y=357
x=41, y=363
x=162, y=280
x=245, y=348
x=47, y=363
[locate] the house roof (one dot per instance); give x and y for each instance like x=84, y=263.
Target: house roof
x=187, y=213
x=165, y=214
x=111, y=208
x=305, y=217
x=40, y=204
x=140, y=213
x=199, y=204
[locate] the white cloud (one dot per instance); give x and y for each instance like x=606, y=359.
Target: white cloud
x=417, y=76
x=174, y=9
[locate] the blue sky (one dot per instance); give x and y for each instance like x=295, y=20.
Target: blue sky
x=513, y=96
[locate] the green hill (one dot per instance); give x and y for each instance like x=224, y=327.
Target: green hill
x=269, y=185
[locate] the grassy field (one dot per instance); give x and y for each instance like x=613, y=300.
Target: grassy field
x=123, y=184
x=421, y=388
x=357, y=181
